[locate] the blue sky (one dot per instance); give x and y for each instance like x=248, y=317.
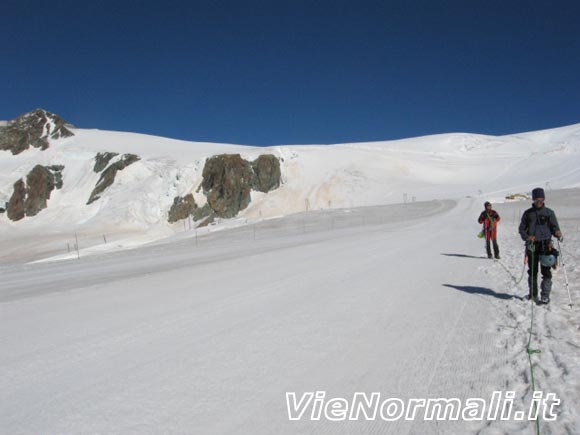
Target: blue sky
x=288, y=72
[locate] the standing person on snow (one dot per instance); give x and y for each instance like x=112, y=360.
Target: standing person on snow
x=489, y=218
x=537, y=227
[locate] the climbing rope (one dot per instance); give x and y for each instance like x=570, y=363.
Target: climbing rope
x=516, y=281
x=529, y=349
x=523, y=268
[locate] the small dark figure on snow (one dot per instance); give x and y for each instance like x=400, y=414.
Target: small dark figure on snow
x=489, y=218
x=537, y=227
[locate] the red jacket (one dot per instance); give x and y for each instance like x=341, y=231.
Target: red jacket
x=489, y=221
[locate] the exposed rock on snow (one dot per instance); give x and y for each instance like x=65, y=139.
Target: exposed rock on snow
x=16, y=204
x=102, y=160
x=108, y=176
x=227, y=182
x=32, y=129
x=182, y=208
x=266, y=173
x=30, y=198
x=204, y=214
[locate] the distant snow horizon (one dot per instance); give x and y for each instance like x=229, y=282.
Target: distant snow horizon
x=70, y=124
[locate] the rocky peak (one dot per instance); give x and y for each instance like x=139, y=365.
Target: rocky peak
x=34, y=128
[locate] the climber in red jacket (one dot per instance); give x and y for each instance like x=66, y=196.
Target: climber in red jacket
x=489, y=218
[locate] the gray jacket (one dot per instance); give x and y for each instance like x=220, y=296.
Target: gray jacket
x=538, y=222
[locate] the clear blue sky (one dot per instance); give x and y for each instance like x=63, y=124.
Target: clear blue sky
x=286, y=72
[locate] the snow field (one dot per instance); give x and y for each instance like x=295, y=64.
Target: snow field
x=178, y=338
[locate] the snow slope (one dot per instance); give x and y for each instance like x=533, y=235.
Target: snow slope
x=134, y=210
x=207, y=335
x=205, y=331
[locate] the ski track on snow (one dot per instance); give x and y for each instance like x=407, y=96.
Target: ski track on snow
x=177, y=338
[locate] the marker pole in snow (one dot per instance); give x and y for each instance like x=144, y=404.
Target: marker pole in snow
x=565, y=275
x=77, y=246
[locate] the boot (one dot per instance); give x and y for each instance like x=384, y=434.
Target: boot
x=546, y=287
x=496, y=249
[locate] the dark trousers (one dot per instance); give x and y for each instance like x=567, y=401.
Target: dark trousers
x=533, y=266
x=495, y=248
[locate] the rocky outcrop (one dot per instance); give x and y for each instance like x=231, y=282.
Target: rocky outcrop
x=16, y=209
x=109, y=174
x=31, y=197
x=227, y=183
x=266, y=173
x=182, y=208
x=102, y=160
x=204, y=215
x=56, y=171
x=32, y=129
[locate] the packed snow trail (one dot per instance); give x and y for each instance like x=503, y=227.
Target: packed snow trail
x=179, y=339
x=555, y=326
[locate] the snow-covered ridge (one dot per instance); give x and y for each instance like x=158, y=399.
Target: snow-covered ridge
x=313, y=176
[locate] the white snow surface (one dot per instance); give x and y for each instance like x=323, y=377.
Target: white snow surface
x=135, y=207
x=205, y=331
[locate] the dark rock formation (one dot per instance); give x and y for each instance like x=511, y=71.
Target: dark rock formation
x=30, y=198
x=266, y=173
x=39, y=184
x=182, y=208
x=32, y=129
x=228, y=180
x=199, y=214
x=16, y=210
x=227, y=183
x=57, y=172
x=102, y=160
x=108, y=175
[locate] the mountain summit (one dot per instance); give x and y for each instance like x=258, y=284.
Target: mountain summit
x=34, y=129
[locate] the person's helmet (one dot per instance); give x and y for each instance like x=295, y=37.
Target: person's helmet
x=486, y=203
x=547, y=260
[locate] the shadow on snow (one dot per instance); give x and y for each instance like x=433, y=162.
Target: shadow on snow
x=462, y=256
x=481, y=291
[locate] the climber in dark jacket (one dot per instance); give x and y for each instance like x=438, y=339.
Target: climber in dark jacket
x=489, y=218
x=537, y=227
